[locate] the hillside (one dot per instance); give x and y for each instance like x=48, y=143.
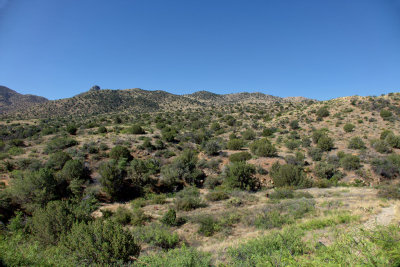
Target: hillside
x=10, y=100
x=129, y=101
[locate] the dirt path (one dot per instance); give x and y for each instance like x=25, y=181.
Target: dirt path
x=385, y=217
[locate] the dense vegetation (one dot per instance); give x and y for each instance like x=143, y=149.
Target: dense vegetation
x=159, y=187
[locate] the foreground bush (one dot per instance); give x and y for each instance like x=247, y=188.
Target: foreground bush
x=100, y=242
x=177, y=257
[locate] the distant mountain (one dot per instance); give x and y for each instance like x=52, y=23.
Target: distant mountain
x=104, y=101
x=12, y=101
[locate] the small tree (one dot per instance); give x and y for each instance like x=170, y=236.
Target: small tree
x=50, y=222
x=112, y=178
x=241, y=175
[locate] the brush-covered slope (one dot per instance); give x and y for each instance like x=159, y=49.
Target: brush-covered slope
x=130, y=101
x=10, y=100
x=110, y=101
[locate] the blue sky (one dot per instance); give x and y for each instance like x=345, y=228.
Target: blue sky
x=313, y=48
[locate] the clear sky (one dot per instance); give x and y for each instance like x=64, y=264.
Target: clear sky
x=313, y=48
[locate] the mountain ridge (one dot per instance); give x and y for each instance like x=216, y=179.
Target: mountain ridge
x=11, y=100
x=104, y=101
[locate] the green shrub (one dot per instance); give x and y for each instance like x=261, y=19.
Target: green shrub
x=217, y=195
x=271, y=249
x=325, y=170
x=74, y=170
x=57, y=160
x=386, y=114
x=388, y=167
x=112, y=178
x=322, y=112
x=122, y=216
x=267, y=132
x=294, y=125
x=235, y=144
x=212, y=182
x=385, y=133
x=389, y=192
x=72, y=129
x=50, y=222
x=212, y=148
x=350, y=162
x=101, y=130
x=325, y=143
x=249, y=135
x=381, y=146
x=182, y=170
x=241, y=175
x=170, y=219
x=315, y=153
x=356, y=143
x=177, y=257
x=138, y=217
x=263, y=148
x=348, y=127
x=281, y=193
x=240, y=156
x=136, y=129
x=188, y=199
x=34, y=189
x=292, y=144
x=157, y=235
x=317, y=134
x=393, y=140
x=60, y=143
x=288, y=175
x=208, y=225
x=100, y=243
x=118, y=152
x=168, y=134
